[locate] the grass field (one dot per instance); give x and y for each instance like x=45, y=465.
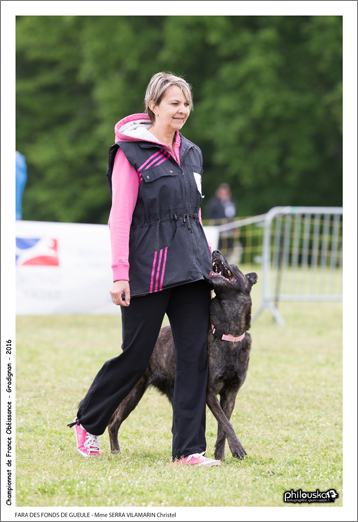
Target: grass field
x=288, y=416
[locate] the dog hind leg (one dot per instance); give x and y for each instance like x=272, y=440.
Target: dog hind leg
x=123, y=410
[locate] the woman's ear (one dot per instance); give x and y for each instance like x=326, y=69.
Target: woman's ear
x=152, y=106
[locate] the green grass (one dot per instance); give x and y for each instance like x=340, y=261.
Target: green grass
x=288, y=416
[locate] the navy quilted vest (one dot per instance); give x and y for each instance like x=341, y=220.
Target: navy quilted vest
x=167, y=245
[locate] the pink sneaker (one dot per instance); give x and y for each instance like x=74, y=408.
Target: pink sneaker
x=87, y=444
x=197, y=459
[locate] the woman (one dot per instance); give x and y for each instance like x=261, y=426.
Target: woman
x=161, y=263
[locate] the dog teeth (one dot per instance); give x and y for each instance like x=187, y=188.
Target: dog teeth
x=221, y=270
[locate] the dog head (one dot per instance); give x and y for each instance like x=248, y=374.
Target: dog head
x=230, y=310
x=228, y=278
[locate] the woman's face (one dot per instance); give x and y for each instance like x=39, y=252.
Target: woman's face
x=173, y=110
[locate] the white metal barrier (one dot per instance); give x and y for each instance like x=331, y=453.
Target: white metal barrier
x=302, y=256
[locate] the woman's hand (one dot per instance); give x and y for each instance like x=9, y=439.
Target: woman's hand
x=120, y=290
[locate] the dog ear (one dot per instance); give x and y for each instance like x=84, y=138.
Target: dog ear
x=252, y=278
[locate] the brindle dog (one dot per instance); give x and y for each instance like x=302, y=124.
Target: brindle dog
x=230, y=314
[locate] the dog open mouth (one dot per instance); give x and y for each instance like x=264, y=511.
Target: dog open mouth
x=219, y=269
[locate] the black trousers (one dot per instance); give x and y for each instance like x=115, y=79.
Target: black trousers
x=187, y=307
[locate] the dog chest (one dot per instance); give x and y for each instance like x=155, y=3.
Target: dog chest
x=228, y=364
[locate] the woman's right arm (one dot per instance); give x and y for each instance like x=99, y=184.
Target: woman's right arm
x=124, y=197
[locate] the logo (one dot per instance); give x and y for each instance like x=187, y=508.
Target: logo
x=301, y=497
x=36, y=252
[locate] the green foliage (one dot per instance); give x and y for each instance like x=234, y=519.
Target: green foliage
x=267, y=97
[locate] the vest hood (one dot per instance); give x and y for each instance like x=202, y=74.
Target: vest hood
x=134, y=128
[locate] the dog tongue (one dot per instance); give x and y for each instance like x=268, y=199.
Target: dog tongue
x=211, y=274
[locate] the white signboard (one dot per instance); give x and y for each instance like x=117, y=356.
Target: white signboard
x=65, y=268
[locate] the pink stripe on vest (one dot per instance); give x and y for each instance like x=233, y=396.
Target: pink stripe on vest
x=153, y=270
x=163, y=160
x=164, y=263
x=155, y=160
x=147, y=161
x=158, y=270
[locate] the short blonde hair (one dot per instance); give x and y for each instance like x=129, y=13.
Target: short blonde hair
x=158, y=85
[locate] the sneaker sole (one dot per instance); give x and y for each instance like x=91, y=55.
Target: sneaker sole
x=88, y=454
x=202, y=464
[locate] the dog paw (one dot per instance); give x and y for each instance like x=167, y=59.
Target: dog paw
x=239, y=453
x=115, y=451
x=238, y=456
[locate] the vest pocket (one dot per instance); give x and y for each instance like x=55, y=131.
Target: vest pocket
x=151, y=237
x=137, y=238
x=160, y=188
x=155, y=173
x=152, y=271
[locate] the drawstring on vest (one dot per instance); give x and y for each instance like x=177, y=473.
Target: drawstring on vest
x=186, y=219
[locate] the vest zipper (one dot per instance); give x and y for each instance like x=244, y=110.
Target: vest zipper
x=186, y=215
x=185, y=200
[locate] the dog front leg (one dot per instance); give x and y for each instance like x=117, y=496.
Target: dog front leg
x=235, y=445
x=124, y=409
x=227, y=403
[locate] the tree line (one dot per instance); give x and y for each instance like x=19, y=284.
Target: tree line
x=267, y=105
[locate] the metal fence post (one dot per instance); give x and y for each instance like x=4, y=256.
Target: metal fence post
x=266, y=301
